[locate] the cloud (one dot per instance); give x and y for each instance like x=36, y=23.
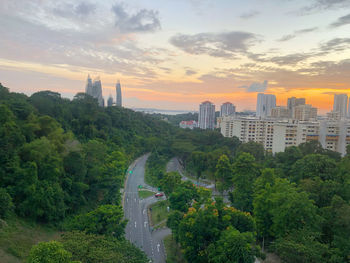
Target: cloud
x=283, y=60
x=70, y=10
x=249, y=14
x=331, y=46
x=344, y=20
x=143, y=21
x=227, y=45
x=190, y=72
x=336, y=44
x=297, y=33
x=256, y=87
x=291, y=59
x=318, y=5
x=101, y=49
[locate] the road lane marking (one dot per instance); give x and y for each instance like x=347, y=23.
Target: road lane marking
x=145, y=224
x=135, y=224
x=158, y=247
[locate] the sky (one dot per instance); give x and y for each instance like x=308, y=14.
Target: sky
x=174, y=54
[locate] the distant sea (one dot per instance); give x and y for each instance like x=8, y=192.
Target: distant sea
x=160, y=111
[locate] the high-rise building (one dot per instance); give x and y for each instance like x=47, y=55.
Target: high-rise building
x=110, y=101
x=94, y=89
x=293, y=102
x=265, y=103
x=280, y=112
x=340, y=104
x=88, y=87
x=227, y=109
x=276, y=135
x=206, y=117
x=97, y=91
x=119, y=94
x=304, y=113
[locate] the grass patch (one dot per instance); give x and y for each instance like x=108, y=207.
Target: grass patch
x=145, y=193
x=173, y=251
x=17, y=237
x=159, y=212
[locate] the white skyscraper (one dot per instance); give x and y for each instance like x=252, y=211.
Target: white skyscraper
x=88, y=87
x=265, y=103
x=119, y=94
x=97, y=91
x=206, y=117
x=227, y=109
x=340, y=104
x=94, y=89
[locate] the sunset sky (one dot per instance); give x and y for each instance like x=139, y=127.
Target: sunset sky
x=173, y=54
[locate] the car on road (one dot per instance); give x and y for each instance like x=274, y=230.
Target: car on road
x=159, y=195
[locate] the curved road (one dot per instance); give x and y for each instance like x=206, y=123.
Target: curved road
x=135, y=210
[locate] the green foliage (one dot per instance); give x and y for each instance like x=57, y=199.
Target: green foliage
x=300, y=246
x=314, y=165
x=245, y=172
x=224, y=173
x=253, y=148
x=6, y=205
x=155, y=168
x=233, y=247
x=104, y=220
x=95, y=249
x=182, y=197
x=49, y=252
x=170, y=182
x=198, y=163
x=214, y=233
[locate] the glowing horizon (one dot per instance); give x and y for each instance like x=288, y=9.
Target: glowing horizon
x=176, y=54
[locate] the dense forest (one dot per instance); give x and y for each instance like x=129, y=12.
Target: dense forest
x=294, y=204
x=63, y=163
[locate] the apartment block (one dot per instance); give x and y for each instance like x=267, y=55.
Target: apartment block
x=275, y=135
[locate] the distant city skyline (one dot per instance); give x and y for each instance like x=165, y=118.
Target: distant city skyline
x=218, y=51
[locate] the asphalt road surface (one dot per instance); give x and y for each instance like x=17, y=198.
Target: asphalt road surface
x=138, y=229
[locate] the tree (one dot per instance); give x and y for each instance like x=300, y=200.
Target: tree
x=284, y=208
x=245, y=171
x=198, y=163
x=170, y=182
x=312, y=166
x=181, y=198
x=96, y=249
x=105, y=220
x=233, y=247
x=49, y=252
x=224, y=173
x=197, y=230
x=286, y=159
x=262, y=203
x=6, y=205
x=253, y=148
x=301, y=246
x=173, y=222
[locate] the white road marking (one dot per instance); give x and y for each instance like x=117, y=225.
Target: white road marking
x=158, y=247
x=135, y=199
x=127, y=199
x=144, y=211
x=145, y=223
x=135, y=224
